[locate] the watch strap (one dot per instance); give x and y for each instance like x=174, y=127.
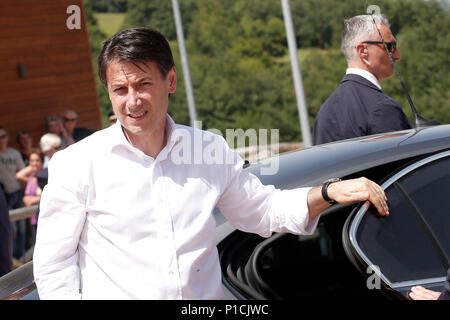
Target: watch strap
x=325, y=189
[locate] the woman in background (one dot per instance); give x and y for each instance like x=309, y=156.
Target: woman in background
x=32, y=194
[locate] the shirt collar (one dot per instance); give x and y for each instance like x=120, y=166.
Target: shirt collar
x=118, y=138
x=365, y=74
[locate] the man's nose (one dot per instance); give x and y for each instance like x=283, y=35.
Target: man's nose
x=133, y=99
x=396, y=55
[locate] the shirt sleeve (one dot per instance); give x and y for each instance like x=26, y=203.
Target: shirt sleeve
x=253, y=207
x=61, y=220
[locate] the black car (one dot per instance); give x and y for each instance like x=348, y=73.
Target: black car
x=354, y=251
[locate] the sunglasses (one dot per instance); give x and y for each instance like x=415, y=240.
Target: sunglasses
x=391, y=45
x=70, y=119
x=3, y=136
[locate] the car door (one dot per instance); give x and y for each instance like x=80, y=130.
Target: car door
x=412, y=245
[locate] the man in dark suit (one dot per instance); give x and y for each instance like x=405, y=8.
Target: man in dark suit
x=358, y=107
x=70, y=118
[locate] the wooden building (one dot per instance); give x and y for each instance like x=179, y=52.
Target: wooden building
x=46, y=66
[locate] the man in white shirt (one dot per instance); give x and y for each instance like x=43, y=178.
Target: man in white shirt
x=127, y=212
x=358, y=107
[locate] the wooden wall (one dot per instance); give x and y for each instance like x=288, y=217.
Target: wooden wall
x=58, y=67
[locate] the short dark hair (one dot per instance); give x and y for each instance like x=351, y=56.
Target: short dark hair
x=21, y=133
x=134, y=45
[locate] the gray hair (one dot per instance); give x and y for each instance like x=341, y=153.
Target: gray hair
x=358, y=29
x=50, y=118
x=49, y=141
x=70, y=111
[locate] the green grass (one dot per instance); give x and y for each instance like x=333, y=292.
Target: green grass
x=110, y=23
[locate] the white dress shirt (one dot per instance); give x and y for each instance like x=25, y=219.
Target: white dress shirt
x=365, y=74
x=115, y=223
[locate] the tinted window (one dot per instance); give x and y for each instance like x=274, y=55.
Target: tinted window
x=429, y=187
x=400, y=244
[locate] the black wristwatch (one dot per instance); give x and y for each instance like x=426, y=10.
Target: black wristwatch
x=324, y=190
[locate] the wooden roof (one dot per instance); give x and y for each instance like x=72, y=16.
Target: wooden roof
x=57, y=72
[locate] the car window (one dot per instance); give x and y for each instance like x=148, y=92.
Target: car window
x=429, y=187
x=413, y=243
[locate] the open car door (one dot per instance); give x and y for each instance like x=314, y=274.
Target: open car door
x=412, y=245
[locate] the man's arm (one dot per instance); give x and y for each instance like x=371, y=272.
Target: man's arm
x=61, y=221
x=24, y=173
x=346, y=192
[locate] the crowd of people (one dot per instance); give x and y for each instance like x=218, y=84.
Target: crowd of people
x=23, y=174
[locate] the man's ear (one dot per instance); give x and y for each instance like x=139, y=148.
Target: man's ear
x=361, y=50
x=172, y=80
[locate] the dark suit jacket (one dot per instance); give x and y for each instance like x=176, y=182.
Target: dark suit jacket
x=80, y=133
x=357, y=108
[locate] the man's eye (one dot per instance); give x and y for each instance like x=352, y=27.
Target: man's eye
x=119, y=89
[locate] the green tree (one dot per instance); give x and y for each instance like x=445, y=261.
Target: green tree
x=240, y=66
x=109, y=5
x=424, y=42
x=96, y=38
x=158, y=14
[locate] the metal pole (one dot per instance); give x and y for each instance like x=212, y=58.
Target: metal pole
x=184, y=63
x=298, y=84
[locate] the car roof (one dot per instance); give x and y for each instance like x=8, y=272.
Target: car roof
x=310, y=166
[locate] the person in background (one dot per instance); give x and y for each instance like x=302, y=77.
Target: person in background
x=69, y=118
x=10, y=163
x=359, y=107
x=25, y=142
x=53, y=124
x=32, y=193
x=112, y=118
x=49, y=144
x=6, y=262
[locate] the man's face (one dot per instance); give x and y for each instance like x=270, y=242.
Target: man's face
x=54, y=127
x=25, y=140
x=380, y=64
x=139, y=95
x=69, y=120
x=35, y=162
